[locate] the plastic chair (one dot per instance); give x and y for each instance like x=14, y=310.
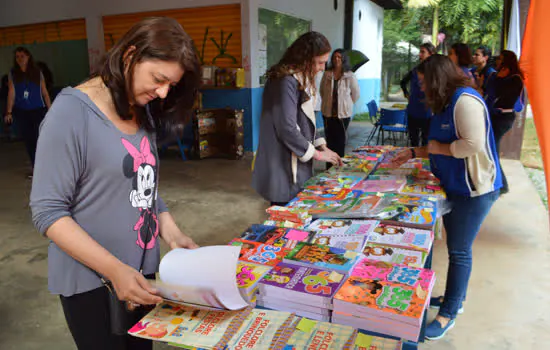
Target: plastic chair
x=372, y=107
x=392, y=121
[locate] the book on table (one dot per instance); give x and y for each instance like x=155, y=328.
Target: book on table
x=395, y=255
x=322, y=256
x=401, y=237
x=276, y=236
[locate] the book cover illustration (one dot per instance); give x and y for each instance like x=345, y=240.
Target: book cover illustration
x=342, y=227
x=384, y=296
x=395, y=172
x=420, y=279
x=424, y=190
x=257, y=253
x=320, y=193
x=357, y=206
x=322, y=256
x=194, y=327
x=394, y=255
x=279, y=213
x=276, y=236
x=313, y=335
x=409, y=210
x=248, y=277
x=354, y=243
x=335, y=180
x=352, y=164
x=302, y=279
x=380, y=185
x=400, y=236
x=262, y=329
x=286, y=224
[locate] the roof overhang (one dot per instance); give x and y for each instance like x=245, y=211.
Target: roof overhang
x=389, y=4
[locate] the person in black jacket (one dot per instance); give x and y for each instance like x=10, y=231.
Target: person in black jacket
x=417, y=111
x=503, y=96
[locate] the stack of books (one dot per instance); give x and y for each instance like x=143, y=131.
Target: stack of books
x=306, y=291
x=389, y=299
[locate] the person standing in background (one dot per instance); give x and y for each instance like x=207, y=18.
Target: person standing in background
x=28, y=99
x=288, y=140
x=482, y=72
x=339, y=92
x=461, y=55
x=503, y=94
x=418, y=113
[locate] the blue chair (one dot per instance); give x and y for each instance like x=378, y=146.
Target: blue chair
x=372, y=107
x=393, y=121
x=184, y=143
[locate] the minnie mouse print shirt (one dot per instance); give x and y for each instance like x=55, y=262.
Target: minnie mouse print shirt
x=107, y=181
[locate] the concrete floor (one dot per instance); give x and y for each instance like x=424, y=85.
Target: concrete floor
x=508, y=303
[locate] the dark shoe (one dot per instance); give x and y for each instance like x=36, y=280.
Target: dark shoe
x=434, y=331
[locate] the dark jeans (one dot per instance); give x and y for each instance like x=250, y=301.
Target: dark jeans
x=87, y=316
x=462, y=225
x=502, y=123
x=419, y=128
x=28, y=122
x=335, y=134
x=279, y=204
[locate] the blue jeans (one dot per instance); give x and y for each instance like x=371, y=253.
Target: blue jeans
x=462, y=225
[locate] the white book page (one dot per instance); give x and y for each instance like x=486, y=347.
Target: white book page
x=204, y=276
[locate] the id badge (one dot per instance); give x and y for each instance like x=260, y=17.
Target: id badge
x=26, y=94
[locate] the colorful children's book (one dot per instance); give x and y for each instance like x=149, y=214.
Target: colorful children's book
x=368, y=342
x=322, y=256
x=342, y=227
x=193, y=327
x=320, y=193
x=286, y=224
x=313, y=335
x=366, y=296
x=301, y=284
x=421, y=279
x=276, y=236
x=336, y=179
x=263, y=329
x=257, y=253
x=406, y=210
x=354, y=243
x=424, y=190
x=395, y=172
x=401, y=237
x=352, y=164
x=356, y=206
x=380, y=185
x=278, y=213
x=395, y=255
x=248, y=277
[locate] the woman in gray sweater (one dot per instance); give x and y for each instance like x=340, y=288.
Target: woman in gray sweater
x=288, y=138
x=94, y=192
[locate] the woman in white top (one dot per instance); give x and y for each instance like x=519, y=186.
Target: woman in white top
x=339, y=92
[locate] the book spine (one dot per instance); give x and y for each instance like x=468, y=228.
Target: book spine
x=350, y=344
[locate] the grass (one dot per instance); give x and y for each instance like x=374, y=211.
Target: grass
x=530, y=150
x=361, y=117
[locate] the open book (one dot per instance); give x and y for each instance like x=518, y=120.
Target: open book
x=204, y=277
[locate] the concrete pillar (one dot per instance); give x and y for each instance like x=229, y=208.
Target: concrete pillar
x=96, y=41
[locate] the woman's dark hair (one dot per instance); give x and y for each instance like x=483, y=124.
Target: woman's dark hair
x=463, y=53
x=510, y=61
x=441, y=79
x=299, y=57
x=485, y=51
x=32, y=73
x=429, y=47
x=346, y=67
x=155, y=38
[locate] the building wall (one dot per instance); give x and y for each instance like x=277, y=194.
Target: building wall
x=368, y=24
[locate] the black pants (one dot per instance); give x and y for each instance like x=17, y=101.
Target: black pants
x=336, y=134
x=502, y=123
x=279, y=204
x=29, y=124
x=419, y=128
x=87, y=316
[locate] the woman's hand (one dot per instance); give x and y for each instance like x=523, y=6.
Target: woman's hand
x=328, y=156
x=8, y=119
x=132, y=287
x=435, y=147
x=182, y=241
x=401, y=158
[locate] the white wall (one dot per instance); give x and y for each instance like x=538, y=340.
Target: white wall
x=321, y=12
x=368, y=37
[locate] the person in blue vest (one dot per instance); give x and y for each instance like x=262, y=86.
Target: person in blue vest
x=28, y=99
x=418, y=114
x=504, y=97
x=482, y=71
x=463, y=156
x=461, y=55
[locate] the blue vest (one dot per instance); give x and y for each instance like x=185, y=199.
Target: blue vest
x=467, y=72
x=417, y=100
x=453, y=172
x=28, y=95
